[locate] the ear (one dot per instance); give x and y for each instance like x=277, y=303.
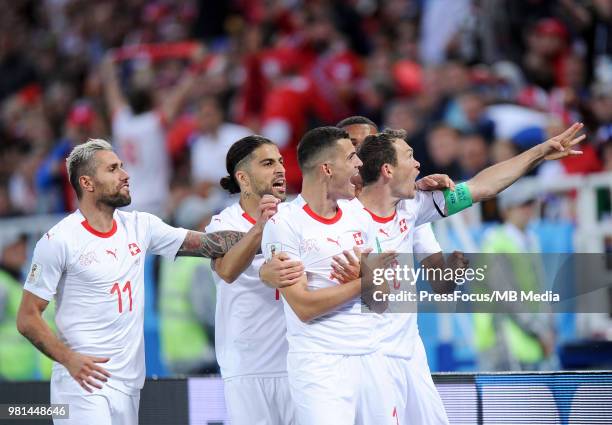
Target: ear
x=243, y=179
x=386, y=170
x=326, y=169
x=86, y=183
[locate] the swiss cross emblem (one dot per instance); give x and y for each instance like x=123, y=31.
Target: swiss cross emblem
x=358, y=238
x=133, y=249
x=403, y=225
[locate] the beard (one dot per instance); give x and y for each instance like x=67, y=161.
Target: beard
x=268, y=189
x=115, y=200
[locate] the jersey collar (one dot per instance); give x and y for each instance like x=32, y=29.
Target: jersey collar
x=97, y=233
x=323, y=220
x=380, y=219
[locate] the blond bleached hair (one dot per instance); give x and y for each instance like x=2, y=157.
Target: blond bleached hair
x=81, y=161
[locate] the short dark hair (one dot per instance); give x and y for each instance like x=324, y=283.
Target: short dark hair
x=355, y=119
x=377, y=150
x=238, y=154
x=316, y=141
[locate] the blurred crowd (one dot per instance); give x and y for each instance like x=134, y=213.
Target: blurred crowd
x=172, y=84
x=471, y=81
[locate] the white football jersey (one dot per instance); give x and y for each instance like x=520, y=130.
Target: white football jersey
x=407, y=231
x=314, y=240
x=141, y=144
x=97, y=280
x=250, y=331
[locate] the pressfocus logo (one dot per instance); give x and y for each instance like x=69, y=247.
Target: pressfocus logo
x=488, y=283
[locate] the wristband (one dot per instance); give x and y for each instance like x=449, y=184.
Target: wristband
x=457, y=200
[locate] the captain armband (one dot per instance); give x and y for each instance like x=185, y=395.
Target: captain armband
x=457, y=200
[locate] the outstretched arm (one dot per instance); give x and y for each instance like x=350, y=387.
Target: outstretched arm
x=492, y=180
x=209, y=245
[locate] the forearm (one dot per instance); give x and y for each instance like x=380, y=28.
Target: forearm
x=240, y=256
x=492, y=180
x=209, y=245
x=171, y=107
x=38, y=332
x=112, y=91
x=433, y=263
x=308, y=305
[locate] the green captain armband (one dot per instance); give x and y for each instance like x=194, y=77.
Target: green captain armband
x=457, y=200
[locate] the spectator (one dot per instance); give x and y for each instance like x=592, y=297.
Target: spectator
x=514, y=338
x=139, y=136
x=55, y=195
x=210, y=144
x=473, y=155
x=442, y=149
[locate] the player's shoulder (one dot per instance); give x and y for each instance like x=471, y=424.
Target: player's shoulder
x=354, y=207
x=229, y=216
x=288, y=212
x=62, y=234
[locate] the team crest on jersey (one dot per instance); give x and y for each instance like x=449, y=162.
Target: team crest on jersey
x=88, y=259
x=358, y=238
x=403, y=225
x=272, y=249
x=134, y=249
x=34, y=274
x=308, y=245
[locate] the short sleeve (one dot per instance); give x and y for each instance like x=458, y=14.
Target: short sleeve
x=277, y=237
x=431, y=206
x=164, y=239
x=217, y=225
x=48, y=266
x=425, y=242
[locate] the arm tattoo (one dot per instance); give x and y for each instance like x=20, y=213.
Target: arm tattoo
x=209, y=245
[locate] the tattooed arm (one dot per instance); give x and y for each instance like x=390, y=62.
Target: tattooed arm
x=209, y=245
x=84, y=369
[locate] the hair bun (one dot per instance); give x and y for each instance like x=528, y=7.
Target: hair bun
x=229, y=184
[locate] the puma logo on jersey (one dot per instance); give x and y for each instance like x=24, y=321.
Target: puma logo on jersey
x=334, y=241
x=383, y=232
x=112, y=252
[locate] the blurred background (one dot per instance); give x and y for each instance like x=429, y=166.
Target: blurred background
x=174, y=83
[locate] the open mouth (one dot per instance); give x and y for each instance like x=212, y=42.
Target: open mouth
x=355, y=179
x=279, y=184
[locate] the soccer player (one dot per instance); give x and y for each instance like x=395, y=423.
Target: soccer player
x=387, y=173
x=425, y=244
x=417, y=391
x=92, y=262
x=336, y=374
x=250, y=334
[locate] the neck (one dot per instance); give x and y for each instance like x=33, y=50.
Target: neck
x=316, y=194
x=99, y=216
x=249, y=203
x=377, y=198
